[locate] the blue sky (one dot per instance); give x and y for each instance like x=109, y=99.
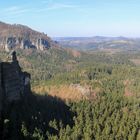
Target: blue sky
x=75, y=17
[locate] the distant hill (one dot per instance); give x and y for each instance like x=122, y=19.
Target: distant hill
x=20, y=36
x=99, y=43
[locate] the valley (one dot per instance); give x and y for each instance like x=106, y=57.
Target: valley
x=100, y=43
x=86, y=93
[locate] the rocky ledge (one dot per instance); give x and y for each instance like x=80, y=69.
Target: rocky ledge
x=20, y=36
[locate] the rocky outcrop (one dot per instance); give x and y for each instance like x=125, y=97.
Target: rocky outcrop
x=19, y=36
x=14, y=83
x=0, y=93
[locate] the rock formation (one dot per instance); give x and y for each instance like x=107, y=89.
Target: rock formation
x=14, y=84
x=19, y=36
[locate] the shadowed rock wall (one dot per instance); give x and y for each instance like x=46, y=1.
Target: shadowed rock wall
x=11, y=80
x=14, y=84
x=0, y=91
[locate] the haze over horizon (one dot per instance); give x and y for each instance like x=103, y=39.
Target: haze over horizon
x=75, y=18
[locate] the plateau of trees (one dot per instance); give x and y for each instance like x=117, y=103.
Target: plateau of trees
x=113, y=115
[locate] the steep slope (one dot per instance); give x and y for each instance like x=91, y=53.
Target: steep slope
x=20, y=36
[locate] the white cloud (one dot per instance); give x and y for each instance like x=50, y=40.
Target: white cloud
x=56, y=6
x=46, y=1
x=45, y=6
x=11, y=9
x=14, y=10
x=61, y=6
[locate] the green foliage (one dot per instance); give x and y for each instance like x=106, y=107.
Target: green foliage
x=112, y=115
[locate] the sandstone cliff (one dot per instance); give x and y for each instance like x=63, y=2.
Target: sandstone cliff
x=14, y=83
x=20, y=36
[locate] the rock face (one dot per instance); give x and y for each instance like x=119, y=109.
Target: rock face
x=19, y=36
x=0, y=93
x=14, y=83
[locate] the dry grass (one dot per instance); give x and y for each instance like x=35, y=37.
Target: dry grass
x=135, y=61
x=127, y=92
x=64, y=92
x=75, y=53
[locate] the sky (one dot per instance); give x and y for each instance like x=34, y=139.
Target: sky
x=81, y=18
